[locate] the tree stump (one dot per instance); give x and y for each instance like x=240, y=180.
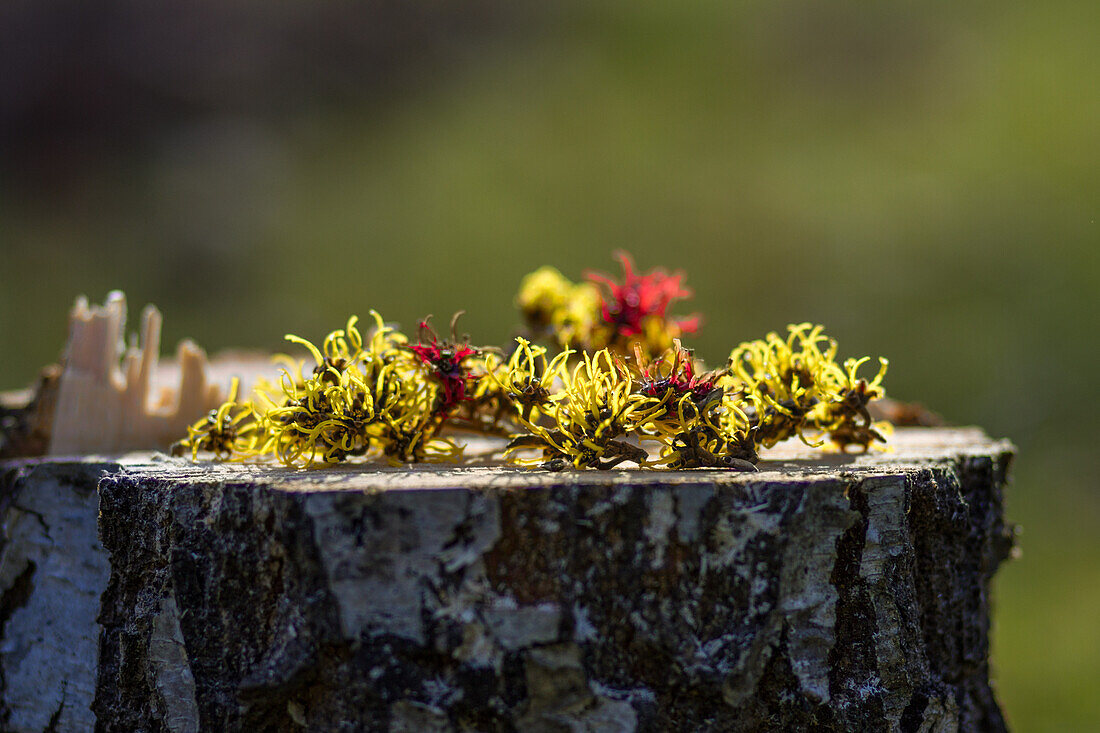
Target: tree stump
x=824, y=592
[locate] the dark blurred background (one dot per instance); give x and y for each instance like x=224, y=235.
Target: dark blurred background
x=922, y=178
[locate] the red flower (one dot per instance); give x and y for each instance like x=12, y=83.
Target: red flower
x=681, y=379
x=626, y=305
x=445, y=360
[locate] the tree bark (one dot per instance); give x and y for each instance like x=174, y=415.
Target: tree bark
x=824, y=592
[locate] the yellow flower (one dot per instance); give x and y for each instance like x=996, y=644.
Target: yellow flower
x=843, y=413
x=528, y=378
x=595, y=409
x=541, y=294
x=220, y=431
x=578, y=322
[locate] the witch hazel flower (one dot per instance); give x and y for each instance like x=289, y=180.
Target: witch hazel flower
x=630, y=305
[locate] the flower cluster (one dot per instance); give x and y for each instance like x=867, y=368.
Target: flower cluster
x=619, y=380
x=387, y=396
x=606, y=407
x=790, y=385
x=605, y=313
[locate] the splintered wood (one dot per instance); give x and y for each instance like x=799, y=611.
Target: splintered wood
x=102, y=407
x=108, y=397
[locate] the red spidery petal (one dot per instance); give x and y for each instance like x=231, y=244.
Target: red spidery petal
x=638, y=297
x=428, y=353
x=450, y=373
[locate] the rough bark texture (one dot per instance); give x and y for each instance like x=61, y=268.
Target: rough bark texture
x=53, y=570
x=827, y=593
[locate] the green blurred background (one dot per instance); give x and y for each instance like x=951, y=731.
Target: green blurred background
x=922, y=178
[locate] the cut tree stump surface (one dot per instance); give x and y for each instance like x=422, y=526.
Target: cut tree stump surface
x=824, y=592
